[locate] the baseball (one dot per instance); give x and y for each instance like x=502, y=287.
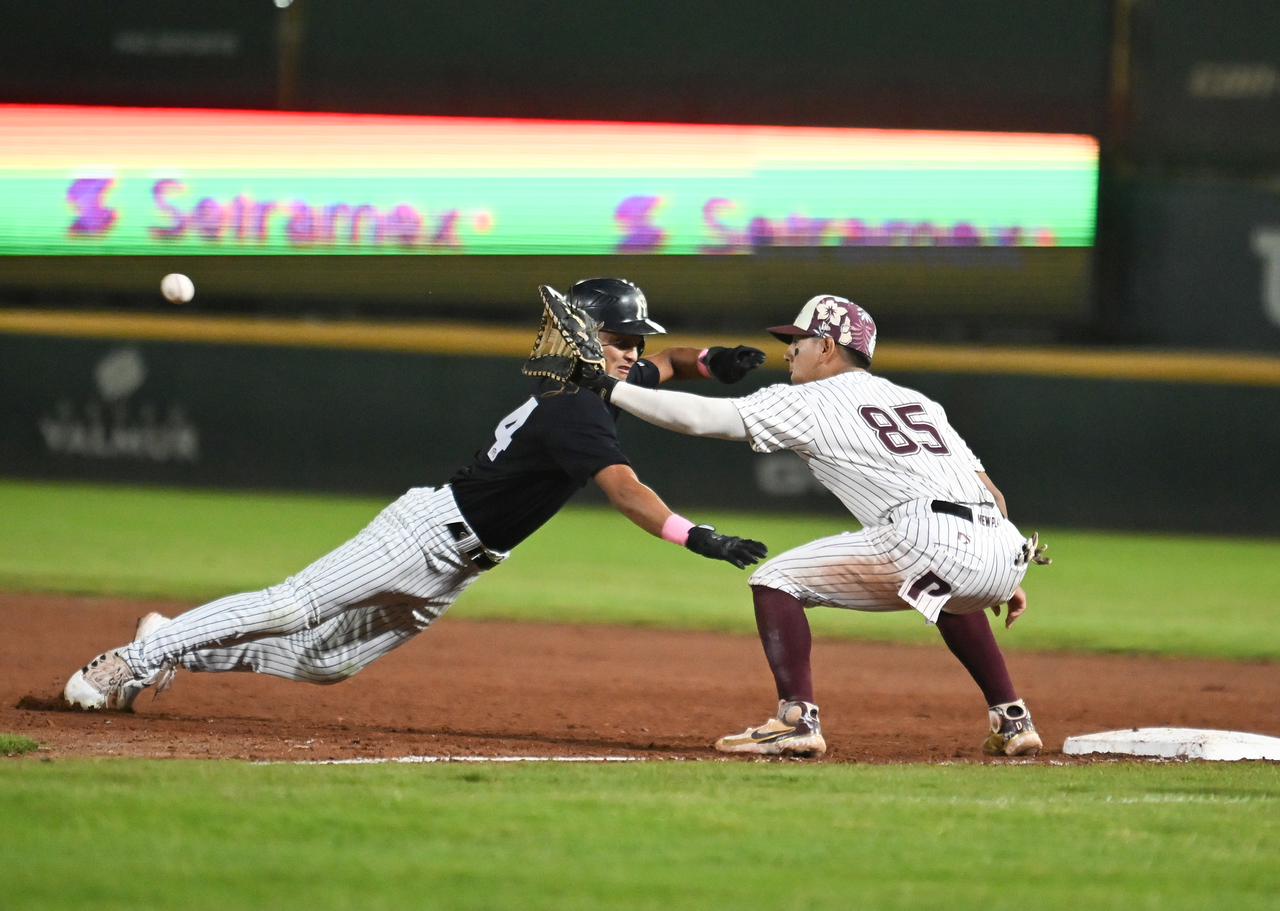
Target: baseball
x=177, y=288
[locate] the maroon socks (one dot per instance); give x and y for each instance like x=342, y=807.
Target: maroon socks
x=970, y=639
x=784, y=633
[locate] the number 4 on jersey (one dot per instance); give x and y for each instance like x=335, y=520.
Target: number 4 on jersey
x=508, y=426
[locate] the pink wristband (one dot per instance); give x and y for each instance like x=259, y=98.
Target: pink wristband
x=702, y=367
x=676, y=529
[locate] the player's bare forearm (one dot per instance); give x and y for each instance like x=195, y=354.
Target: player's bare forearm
x=645, y=508
x=633, y=499
x=677, y=364
x=995, y=492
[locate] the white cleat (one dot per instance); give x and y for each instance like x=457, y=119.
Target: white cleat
x=106, y=682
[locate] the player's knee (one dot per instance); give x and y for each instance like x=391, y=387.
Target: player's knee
x=321, y=677
x=770, y=576
x=327, y=671
x=288, y=609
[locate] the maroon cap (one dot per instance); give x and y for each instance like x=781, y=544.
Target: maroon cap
x=828, y=316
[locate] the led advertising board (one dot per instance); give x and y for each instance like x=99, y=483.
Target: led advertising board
x=434, y=214
x=120, y=181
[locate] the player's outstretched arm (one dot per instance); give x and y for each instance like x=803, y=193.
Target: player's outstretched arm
x=679, y=411
x=728, y=365
x=645, y=508
x=633, y=499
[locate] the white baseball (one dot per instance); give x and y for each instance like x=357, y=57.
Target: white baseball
x=177, y=288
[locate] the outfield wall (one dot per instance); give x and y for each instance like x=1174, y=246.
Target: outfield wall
x=1073, y=438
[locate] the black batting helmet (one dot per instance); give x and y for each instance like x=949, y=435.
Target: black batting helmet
x=617, y=304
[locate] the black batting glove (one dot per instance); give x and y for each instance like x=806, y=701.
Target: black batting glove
x=729, y=365
x=741, y=552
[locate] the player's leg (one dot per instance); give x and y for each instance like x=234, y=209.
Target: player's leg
x=325, y=654
x=835, y=572
x=794, y=730
x=966, y=630
x=392, y=559
x=784, y=633
x=867, y=570
x=406, y=550
x=860, y=568
x=376, y=560
x=337, y=648
x=970, y=639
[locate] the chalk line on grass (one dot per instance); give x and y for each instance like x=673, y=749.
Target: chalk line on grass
x=376, y=760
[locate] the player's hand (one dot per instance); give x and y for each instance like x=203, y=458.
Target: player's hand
x=590, y=376
x=741, y=552
x=729, y=365
x=1017, y=604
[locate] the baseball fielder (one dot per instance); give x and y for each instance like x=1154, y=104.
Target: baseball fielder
x=397, y=576
x=935, y=534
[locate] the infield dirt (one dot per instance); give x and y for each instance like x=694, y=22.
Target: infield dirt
x=486, y=688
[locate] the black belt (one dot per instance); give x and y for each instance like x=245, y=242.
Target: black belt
x=952, y=509
x=480, y=556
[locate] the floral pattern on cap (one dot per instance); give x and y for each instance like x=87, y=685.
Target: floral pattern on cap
x=841, y=320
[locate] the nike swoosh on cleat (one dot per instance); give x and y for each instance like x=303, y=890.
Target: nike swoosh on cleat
x=771, y=736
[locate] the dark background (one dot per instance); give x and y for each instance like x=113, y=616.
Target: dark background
x=927, y=64
x=1183, y=95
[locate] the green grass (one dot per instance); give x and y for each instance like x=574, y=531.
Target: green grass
x=161, y=542
x=142, y=834
x=16, y=744
x=1165, y=594
x=1103, y=592
x=667, y=836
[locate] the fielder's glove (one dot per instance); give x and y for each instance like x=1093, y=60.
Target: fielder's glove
x=1033, y=552
x=741, y=552
x=729, y=365
x=568, y=344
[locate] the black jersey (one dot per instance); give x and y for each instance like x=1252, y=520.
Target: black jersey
x=540, y=455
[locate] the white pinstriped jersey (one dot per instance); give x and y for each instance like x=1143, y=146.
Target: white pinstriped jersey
x=872, y=443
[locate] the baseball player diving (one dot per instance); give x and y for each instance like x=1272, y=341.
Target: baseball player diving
x=935, y=533
x=397, y=576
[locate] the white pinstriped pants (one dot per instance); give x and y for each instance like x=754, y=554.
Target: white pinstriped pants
x=922, y=559
x=350, y=607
